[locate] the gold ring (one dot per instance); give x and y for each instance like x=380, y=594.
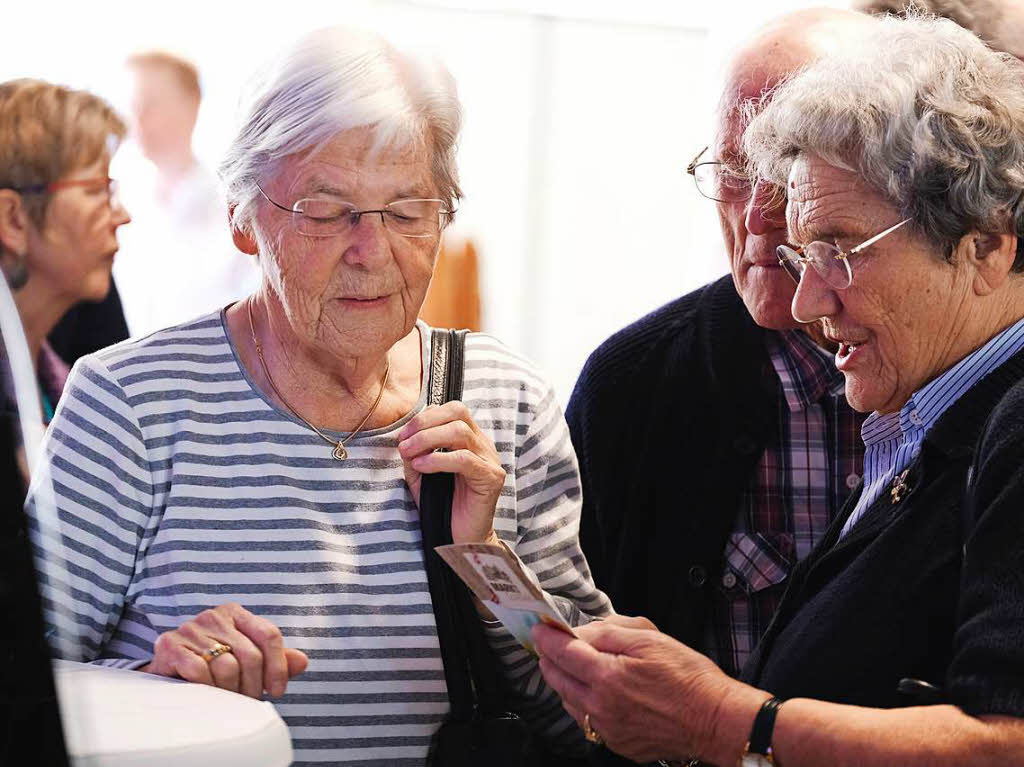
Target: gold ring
x=216, y=651
x=589, y=732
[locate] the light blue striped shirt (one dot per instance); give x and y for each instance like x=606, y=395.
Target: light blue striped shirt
x=181, y=486
x=892, y=440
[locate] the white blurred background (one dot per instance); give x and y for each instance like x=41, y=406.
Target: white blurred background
x=580, y=118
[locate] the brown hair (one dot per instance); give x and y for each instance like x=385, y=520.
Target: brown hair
x=48, y=131
x=183, y=70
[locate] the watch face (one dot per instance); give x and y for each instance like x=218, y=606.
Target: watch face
x=755, y=760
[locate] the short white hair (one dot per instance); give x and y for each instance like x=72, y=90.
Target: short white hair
x=333, y=80
x=924, y=112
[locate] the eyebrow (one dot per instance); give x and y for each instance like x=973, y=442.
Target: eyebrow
x=413, y=192
x=404, y=193
x=320, y=186
x=831, y=236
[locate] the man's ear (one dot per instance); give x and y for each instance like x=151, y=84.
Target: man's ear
x=991, y=256
x=14, y=223
x=244, y=241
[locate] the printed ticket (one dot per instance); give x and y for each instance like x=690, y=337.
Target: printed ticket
x=498, y=580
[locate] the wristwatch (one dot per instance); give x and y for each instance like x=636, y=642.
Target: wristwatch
x=758, y=751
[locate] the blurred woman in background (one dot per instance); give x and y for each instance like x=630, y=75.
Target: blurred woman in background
x=59, y=213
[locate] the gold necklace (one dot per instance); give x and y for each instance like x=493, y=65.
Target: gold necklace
x=339, y=453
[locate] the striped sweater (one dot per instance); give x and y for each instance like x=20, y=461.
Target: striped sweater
x=180, y=486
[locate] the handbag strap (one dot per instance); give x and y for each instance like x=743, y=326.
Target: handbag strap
x=436, y=492
x=470, y=673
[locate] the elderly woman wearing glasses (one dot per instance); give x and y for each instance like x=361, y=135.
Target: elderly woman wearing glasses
x=240, y=492
x=900, y=640
x=58, y=213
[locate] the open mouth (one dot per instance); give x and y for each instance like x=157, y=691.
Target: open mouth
x=845, y=350
x=847, y=345
x=848, y=351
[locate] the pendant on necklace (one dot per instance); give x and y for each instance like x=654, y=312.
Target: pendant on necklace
x=339, y=453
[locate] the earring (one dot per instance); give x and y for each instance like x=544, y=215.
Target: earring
x=17, y=275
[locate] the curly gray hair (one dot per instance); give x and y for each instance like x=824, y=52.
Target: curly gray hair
x=336, y=79
x=924, y=112
x=982, y=17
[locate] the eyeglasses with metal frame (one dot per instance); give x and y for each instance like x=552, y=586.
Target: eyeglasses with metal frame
x=830, y=261
x=327, y=217
x=717, y=181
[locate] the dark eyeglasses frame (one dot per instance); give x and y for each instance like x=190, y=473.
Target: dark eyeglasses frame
x=54, y=186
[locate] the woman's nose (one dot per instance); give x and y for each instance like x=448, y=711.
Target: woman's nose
x=766, y=211
x=814, y=298
x=368, y=240
x=119, y=212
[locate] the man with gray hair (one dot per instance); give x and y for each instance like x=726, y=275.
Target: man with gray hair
x=713, y=437
x=900, y=639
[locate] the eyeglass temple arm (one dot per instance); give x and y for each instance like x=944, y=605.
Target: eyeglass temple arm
x=693, y=163
x=272, y=202
x=877, y=237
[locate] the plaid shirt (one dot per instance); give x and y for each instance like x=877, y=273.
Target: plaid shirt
x=797, y=489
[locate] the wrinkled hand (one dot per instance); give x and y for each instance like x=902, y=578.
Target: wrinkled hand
x=258, y=659
x=470, y=456
x=648, y=696
x=629, y=622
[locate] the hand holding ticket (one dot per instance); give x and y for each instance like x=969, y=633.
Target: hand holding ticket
x=497, y=579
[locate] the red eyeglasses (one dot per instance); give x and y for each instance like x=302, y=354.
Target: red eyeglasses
x=99, y=181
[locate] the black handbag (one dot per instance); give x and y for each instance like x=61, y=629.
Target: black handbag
x=480, y=730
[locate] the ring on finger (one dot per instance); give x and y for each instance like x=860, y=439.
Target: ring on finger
x=589, y=732
x=218, y=649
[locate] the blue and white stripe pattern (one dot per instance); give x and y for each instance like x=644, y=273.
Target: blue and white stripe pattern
x=893, y=440
x=181, y=487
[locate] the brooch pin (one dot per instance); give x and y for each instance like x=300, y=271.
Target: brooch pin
x=899, y=487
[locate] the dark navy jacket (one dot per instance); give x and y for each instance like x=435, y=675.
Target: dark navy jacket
x=669, y=418
x=898, y=597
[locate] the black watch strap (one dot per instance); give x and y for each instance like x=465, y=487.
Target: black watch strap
x=764, y=725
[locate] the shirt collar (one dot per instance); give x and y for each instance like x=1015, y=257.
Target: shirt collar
x=935, y=397
x=880, y=427
x=806, y=371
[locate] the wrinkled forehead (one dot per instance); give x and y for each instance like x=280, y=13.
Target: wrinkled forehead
x=826, y=201
x=358, y=160
x=370, y=145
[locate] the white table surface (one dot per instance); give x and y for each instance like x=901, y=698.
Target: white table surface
x=120, y=718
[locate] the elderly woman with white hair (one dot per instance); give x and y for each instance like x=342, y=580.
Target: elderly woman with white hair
x=240, y=493
x=900, y=639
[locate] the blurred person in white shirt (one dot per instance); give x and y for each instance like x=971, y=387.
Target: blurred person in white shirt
x=182, y=261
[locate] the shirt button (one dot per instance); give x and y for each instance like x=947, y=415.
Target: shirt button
x=728, y=580
x=852, y=480
x=698, y=576
x=915, y=418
